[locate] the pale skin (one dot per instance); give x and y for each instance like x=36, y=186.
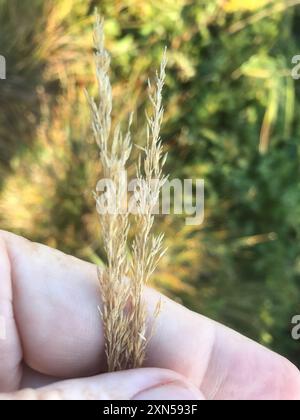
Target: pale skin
x=54, y=348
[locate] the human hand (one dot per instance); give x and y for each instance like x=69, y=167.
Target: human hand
x=54, y=340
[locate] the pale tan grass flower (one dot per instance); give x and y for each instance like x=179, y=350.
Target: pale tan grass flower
x=122, y=281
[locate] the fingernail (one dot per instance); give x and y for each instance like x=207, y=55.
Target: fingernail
x=177, y=390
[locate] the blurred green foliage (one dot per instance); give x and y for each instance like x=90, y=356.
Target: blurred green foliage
x=231, y=118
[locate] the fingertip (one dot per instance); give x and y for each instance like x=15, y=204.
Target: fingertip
x=290, y=388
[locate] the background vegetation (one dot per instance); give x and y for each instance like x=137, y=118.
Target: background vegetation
x=231, y=118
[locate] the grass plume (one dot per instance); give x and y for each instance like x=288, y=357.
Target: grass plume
x=147, y=249
x=124, y=311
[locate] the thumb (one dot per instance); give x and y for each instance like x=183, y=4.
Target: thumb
x=136, y=384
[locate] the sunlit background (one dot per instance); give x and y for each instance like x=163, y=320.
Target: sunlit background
x=232, y=118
